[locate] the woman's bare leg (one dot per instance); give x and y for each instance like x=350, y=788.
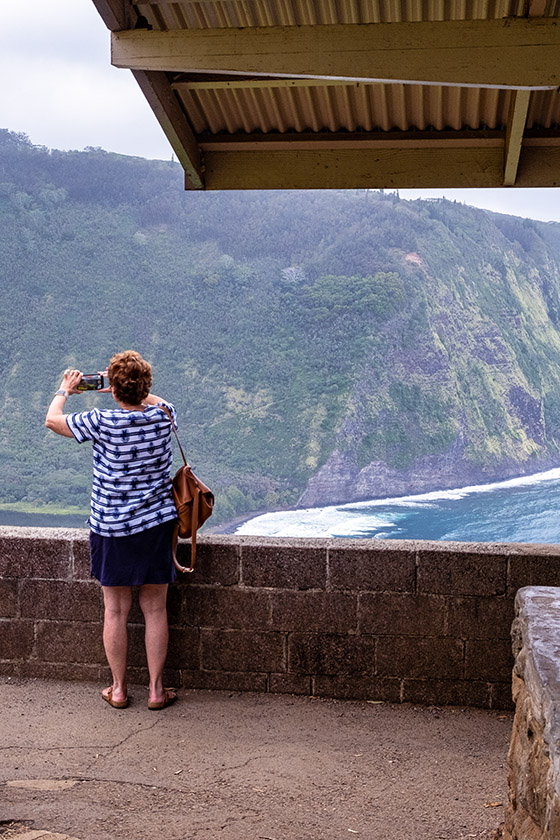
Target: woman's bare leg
x=118, y=600
x=153, y=603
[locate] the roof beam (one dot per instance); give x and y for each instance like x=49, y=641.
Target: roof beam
x=347, y=169
x=536, y=8
x=514, y=134
x=174, y=123
x=510, y=53
x=539, y=167
x=116, y=14
x=357, y=140
x=434, y=168
x=239, y=83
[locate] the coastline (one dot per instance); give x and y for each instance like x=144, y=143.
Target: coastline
x=231, y=526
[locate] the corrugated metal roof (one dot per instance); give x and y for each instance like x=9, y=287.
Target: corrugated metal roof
x=352, y=107
x=202, y=14
x=227, y=111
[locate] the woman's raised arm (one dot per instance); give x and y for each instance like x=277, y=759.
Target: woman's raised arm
x=56, y=419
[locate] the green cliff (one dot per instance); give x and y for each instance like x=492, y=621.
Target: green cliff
x=319, y=346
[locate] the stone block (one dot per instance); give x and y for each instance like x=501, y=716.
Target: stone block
x=480, y=618
x=61, y=641
x=289, y=684
x=136, y=676
x=227, y=608
x=16, y=639
x=171, y=678
x=314, y=612
x=8, y=598
x=138, y=681
x=461, y=572
x=174, y=606
x=136, y=646
x=135, y=615
x=216, y=563
x=10, y=668
x=22, y=557
x=325, y=653
x=533, y=566
x=373, y=569
x=398, y=614
x=57, y=599
x=358, y=688
x=490, y=660
x=175, y=599
x=283, y=567
x=501, y=696
x=242, y=650
x=447, y=693
x=81, y=560
x=67, y=671
x=224, y=681
x=520, y=573
x=412, y=657
x=183, y=651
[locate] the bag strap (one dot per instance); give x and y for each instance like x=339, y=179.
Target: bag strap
x=175, y=540
x=164, y=407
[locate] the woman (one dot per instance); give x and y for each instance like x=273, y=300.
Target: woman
x=132, y=512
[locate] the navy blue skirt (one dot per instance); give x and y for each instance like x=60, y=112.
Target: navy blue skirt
x=135, y=559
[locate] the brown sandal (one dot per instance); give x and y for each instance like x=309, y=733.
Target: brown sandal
x=116, y=704
x=169, y=697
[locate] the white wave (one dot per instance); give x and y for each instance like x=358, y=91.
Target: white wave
x=351, y=519
x=313, y=522
x=461, y=492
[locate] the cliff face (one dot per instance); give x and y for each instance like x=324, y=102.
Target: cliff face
x=341, y=480
x=460, y=387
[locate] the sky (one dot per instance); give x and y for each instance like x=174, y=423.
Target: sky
x=59, y=88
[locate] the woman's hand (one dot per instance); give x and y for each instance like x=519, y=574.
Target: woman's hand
x=107, y=389
x=71, y=380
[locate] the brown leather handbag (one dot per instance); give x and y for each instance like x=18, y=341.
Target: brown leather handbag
x=194, y=502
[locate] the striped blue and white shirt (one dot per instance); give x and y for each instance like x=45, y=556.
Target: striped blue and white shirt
x=131, y=488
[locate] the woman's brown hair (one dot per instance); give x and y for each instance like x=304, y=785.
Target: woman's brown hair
x=130, y=377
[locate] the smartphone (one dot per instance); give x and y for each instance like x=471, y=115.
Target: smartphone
x=91, y=382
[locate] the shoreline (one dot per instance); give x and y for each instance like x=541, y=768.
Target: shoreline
x=232, y=525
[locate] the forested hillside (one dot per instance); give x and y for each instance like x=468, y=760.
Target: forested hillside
x=322, y=346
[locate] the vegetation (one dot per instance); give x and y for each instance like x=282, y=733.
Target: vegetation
x=284, y=326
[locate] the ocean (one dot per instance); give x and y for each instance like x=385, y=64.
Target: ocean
x=43, y=520
x=523, y=509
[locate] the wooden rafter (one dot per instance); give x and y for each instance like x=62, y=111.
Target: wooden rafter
x=117, y=15
x=169, y=113
x=514, y=134
x=512, y=53
x=536, y=8
x=238, y=83
x=357, y=140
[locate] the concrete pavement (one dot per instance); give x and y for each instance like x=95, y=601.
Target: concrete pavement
x=244, y=767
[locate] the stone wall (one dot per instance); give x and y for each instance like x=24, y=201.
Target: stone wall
x=383, y=620
x=533, y=812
